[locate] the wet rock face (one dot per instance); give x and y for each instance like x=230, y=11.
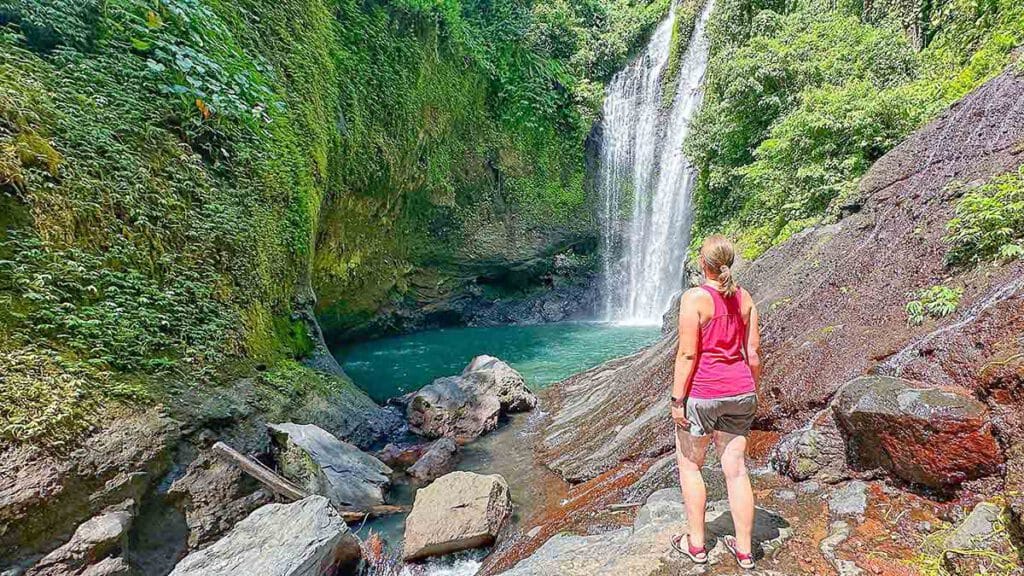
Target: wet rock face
x=466, y=406
x=214, y=495
x=928, y=436
x=459, y=511
x=304, y=538
x=93, y=541
x=44, y=496
x=645, y=548
x=324, y=465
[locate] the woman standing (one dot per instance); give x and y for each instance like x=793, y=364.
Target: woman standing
x=714, y=396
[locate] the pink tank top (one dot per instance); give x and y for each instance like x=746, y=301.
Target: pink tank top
x=722, y=370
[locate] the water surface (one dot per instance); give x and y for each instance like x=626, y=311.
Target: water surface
x=543, y=354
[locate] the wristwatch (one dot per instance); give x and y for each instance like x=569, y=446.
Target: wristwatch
x=678, y=402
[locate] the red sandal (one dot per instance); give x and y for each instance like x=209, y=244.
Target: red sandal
x=699, y=555
x=745, y=561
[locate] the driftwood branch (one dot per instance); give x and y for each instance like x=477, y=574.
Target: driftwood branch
x=265, y=476
x=285, y=489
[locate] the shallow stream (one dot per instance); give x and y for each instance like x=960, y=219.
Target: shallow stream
x=543, y=354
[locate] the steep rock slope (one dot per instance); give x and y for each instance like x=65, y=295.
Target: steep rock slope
x=833, y=303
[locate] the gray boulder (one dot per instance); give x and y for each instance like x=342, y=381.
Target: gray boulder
x=490, y=375
x=466, y=406
x=304, y=538
x=451, y=407
x=437, y=461
x=458, y=511
x=321, y=464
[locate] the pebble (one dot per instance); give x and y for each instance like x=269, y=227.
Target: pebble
x=786, y=495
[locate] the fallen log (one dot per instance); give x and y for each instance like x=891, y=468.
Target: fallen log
x=265, y=476
x=280, y=486
x=352, y=515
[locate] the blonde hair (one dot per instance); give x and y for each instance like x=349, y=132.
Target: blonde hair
x=719, y=255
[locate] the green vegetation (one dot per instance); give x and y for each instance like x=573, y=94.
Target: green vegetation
x=989, y=222
x=802, y=97
x=935, y=302
x=174, y=173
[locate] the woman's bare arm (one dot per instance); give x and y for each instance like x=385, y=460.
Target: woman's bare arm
x=753, y=344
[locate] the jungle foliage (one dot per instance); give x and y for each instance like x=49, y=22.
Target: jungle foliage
x=803, y=96
x=176, y=174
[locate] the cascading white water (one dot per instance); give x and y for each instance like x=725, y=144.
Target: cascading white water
x=644, y=180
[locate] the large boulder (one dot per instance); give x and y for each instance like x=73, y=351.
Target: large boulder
x=928, y=436
x=93, y=541
x=459, y=511
x=304, y=538
x=466, y=406
x=321, y=464
x=490, y=375
x=451, y=407
x=438, y=460
x=645, y=549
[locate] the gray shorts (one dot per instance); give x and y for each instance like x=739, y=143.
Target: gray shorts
x=733, y=415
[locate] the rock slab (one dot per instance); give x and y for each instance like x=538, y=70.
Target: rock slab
x=928, y=436
x=458, y=511
x=321, y=464
x=304, y=538
x=645, y=549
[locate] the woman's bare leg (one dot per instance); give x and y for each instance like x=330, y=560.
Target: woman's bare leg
x=690, y=451
x=732, y=451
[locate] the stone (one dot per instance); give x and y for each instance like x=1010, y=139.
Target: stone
x=815, y=451
x=645, y=548
x=492, y=376
x=108, y=567
x=786, y=495
x=401, y=457
x=438, y=460
x=933, y=437
x=94, y=539
x=304, y=538
x=850, y=499
x=458, y=511
x=321, y=464
x=979, y=529
x=450, y=407
x=214, y=495
x=838, y=532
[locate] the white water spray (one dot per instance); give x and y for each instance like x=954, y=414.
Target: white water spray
x=644, y=180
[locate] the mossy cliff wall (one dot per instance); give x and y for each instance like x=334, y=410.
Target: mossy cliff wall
x=178, y=177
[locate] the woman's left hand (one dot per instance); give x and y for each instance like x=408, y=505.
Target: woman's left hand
x=679, y=416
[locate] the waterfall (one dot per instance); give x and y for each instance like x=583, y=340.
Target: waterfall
x=644, y=181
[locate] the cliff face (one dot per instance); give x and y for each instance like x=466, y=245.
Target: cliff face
x=833, y=298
